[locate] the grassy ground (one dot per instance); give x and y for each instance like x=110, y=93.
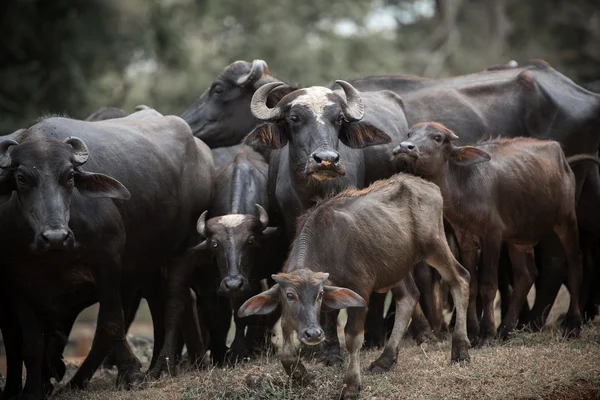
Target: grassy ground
x=528, y=366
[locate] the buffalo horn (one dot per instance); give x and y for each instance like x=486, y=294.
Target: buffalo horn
x=259, y=103
x=356, y=108
x=80, y=150
x=4, y=156
x=256, y=72
x=263, y=216
x=201, y=224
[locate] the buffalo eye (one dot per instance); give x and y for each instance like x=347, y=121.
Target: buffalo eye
x=320, y=295
x=340, y=119
x=251, y=240
x=289, y=295
x=21, y=179
x=294, y=118
x=214, y=244
x=71, y=177
x=438, y=138
x=408, y=135
x=218, y=90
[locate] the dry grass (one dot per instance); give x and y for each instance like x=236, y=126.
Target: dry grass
x=528, y=366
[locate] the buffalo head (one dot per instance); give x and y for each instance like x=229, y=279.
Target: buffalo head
x=221, y=115
x=235, y=240
x=429, y=147
x=301, y=294
x=313, y=121
x=43, y=173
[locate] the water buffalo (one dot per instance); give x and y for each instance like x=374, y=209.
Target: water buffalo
x=388, y=228
x=221, y=116
x=532, y=100
x=323, y=144
x=77, y=197
x=489, y=199
x=244, y=249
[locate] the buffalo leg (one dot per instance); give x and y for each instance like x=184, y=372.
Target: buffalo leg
x=110, y=329
x=330, y=348
x=419, y=327
x=179, y=276
x=569, y=237
x=191, y=330
x=406, y=296
x=33, y=351
x=354, y=335
x=375, y=324
x=524, y=276
x=289, y=357
x=552, y=274
x=469, y=258
x=457, y=277
x=14, y=359
x=489, y=286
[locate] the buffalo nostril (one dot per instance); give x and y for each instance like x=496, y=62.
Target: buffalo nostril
x=317, y=159
x=337, y=159
x=410, y=147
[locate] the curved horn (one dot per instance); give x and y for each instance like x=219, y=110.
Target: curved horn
x=141, y=107
x=264, y=217
x=356, y=108
x=4, y=156
x=201, y=224
x=256, y=72
x=80, y=150
x=259, y=103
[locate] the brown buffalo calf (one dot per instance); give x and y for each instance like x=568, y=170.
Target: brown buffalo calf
x=363, y=241
x=504, y=190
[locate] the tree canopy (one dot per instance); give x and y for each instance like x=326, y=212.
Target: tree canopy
x=75, y=56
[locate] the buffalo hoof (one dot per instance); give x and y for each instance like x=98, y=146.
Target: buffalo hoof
x=130, y=379
x=331, y=360
x=572, y=332
x=460, y=351
x=504, y=332
x=426, y=337
x=350, y=393
x=382, y=364
x=162, y=365
x=302, y=378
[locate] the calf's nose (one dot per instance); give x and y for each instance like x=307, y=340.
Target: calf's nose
x=313, y=335
x=405, y=147
x=326, y=157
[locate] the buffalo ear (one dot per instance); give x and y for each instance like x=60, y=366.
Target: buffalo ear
x=469, y=155
x=338, y=298
x=266, y=136
x=358, y=135
x=261, y=304
x=7, y=186
x=100, y=185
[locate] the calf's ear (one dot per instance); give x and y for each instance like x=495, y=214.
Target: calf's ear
x=100, y=185
x=338, y=298
x=266, y=136
x=261, y=304
x=358, y=135
x=469, y=155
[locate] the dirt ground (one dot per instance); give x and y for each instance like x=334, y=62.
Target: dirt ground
x=528, y=366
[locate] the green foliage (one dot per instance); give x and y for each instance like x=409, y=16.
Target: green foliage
x=75, y=56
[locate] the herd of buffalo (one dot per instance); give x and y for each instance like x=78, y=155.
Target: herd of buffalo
x=265, y=200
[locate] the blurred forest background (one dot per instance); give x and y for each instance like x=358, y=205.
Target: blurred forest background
x=75, y=56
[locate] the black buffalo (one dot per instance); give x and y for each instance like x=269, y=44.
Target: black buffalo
x=221, y=116
x=244, y=248
x=87, y=218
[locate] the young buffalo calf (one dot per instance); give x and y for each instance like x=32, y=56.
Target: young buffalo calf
x=505, y=190
x=363, y=241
